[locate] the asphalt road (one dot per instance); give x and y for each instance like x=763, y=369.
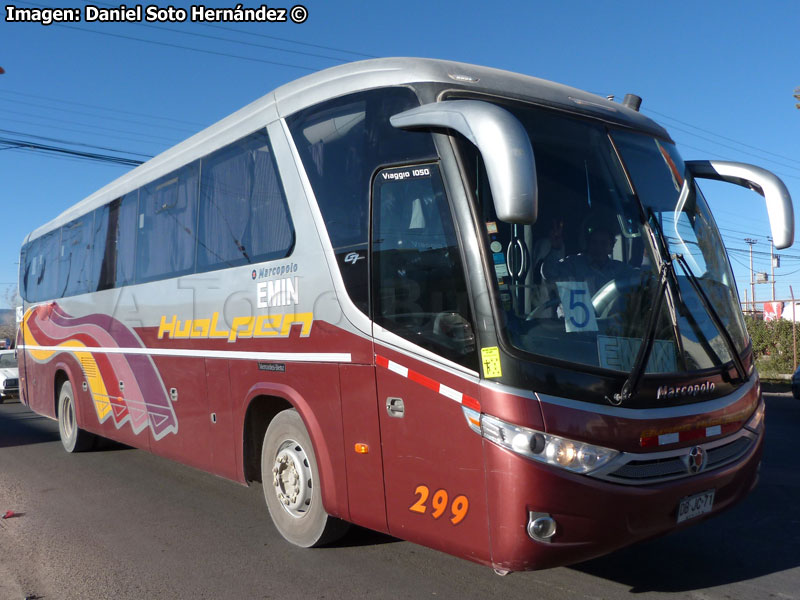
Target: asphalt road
x=120, y=523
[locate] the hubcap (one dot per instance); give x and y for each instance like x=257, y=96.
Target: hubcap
x=291, y=478
x=69, y=422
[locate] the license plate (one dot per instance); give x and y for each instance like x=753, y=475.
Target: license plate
x=694, y=506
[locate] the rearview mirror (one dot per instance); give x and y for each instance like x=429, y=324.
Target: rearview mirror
x=504, y=146
x=779, y=202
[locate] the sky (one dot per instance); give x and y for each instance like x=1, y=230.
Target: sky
x=719, y=75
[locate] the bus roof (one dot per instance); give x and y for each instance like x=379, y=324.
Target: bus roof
x=348, y=78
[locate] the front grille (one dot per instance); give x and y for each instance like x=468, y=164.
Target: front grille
x=725, y=454
x=12, y=384
x=650, y=469
x=638, y=469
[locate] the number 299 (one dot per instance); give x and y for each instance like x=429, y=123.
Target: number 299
x=439, y=504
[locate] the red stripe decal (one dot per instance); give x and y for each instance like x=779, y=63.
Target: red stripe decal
x=429, y=383
x=470, y=402
x=687, y=436
x=695, y=434
x=423, y=380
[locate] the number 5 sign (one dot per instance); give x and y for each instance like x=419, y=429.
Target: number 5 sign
x=576, y=302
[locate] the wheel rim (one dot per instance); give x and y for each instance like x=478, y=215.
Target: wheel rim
x=68, y=417
x=291, y=478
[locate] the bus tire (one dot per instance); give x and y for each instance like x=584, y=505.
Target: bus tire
x=73, y=438
x=290, y=478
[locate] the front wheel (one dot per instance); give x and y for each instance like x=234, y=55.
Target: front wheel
x=73, y=438
x=291, y=484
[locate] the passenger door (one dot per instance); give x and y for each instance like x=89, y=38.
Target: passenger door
x=426, y=365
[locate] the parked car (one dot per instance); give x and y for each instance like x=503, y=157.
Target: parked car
x=9, y=375
x=796, y=383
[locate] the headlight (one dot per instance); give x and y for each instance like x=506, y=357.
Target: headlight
x=577, y=457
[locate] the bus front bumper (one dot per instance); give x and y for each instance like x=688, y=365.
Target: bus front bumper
x=594, y=517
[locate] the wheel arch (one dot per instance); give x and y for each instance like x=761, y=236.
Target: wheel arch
x=260, y=411
x=61, y=374
x=265, y=400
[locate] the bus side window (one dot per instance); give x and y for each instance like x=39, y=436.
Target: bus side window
x=167, y=221
x=122, y=223
x=419, y=288
x=74, y=264
x=40, y=277
x=244, y=217
x=102, y=261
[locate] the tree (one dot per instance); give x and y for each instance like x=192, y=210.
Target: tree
x=8, y=325
x=12, y=297
x=772, y=344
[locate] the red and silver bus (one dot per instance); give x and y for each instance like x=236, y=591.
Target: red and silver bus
x=472, y=309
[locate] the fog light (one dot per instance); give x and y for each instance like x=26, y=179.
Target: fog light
x=541, y=526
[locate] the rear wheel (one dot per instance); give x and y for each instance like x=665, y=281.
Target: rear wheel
x=291, y=484
x=73, y=438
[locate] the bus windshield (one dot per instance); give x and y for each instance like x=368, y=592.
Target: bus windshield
x=579, y=284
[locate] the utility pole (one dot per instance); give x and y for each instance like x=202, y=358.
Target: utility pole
x=772, y=266
x=794, y=330
x=750, y=242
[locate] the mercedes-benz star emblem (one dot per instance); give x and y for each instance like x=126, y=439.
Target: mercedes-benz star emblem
x=696, y=460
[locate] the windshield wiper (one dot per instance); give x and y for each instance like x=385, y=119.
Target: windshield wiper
x=662, y=253
x=665, y=273
x=715, y=318
x=646, y=347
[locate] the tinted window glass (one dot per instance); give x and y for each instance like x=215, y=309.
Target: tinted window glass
x=123, y=224
x=23, y=268
x=40, y=278
x=103, y=261
x=75, y=267
x=243, y=213
x=167, y=218
x=420, y=289
x=341, y=143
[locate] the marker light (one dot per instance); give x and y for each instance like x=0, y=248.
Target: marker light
x=757, y=420
x=574, y=456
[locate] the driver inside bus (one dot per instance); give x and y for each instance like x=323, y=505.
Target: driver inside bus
x=594, y=266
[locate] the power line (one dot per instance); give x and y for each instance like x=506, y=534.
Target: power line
x=242, y=42
x=707, y=153
x=96, y=127
x=262, y=35
x=721, y=136
x=772, y=160
x=58, y=156
x=160, y=145
x=104, y=108
x=84, y=113
x=47, y=149
x=170, y=45
x=49, y=139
